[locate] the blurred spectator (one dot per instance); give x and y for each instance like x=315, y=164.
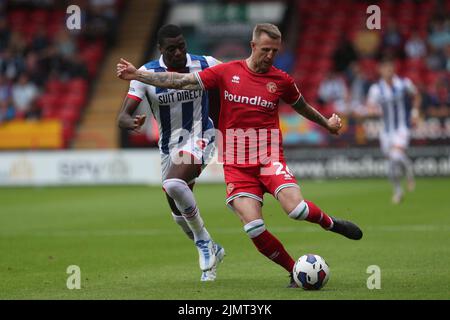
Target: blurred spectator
x=101, y=20
x=5, y=33
x=35, y=69
x=415, y=46
x=17, y=44
x=7, y=111
x=5, y=89
x=447, y=58
x=435, y=60
x=24, y=94
x=65, y=44
x=333, y=91
x=6, y=108
x=40, y=40
x=439, y=100
x=366, y=42
x=438, y=39
x=10, y=65
x=359, y=87
x=285, y=59
x=108, y=8
x=75, y=67
x=440, y=34
x=344, y=55
x=3, y=4
x=392, y=40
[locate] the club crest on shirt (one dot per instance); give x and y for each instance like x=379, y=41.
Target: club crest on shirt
x=230, y=188
x=271, y=87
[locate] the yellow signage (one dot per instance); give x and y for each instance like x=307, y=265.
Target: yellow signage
x=23, y=134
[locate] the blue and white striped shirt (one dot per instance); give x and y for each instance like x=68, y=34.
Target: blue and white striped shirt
x=176, y=111
x=394, y=101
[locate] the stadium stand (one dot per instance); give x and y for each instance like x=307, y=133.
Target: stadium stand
x=47, y=70
x=99, y=128
x=330, y=40
x=66, y=77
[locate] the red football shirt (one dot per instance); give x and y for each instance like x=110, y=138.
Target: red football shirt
x=248, y=119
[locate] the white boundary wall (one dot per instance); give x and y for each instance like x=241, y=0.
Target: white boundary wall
x=55, y=168
x=118, y=167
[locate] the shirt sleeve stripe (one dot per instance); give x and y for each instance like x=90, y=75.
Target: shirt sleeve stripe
x=134, y=97
x=199, y=80
x=299, y=96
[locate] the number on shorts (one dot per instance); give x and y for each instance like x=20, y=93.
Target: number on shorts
x=280, y=169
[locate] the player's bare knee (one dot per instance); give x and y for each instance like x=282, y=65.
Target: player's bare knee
x=175, y=187
x=289, y=199
x=246, y=209
x=186, y=172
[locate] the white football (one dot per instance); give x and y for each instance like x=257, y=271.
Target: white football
x=311, y=272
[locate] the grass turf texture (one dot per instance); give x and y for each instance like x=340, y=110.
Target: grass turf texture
x=128, y=247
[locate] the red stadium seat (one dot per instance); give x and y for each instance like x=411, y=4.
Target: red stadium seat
x=369, y=67
x=69, y=115
x=16, y=17
x=49, y=113
x=414, y=75
x=415, y=64
x=55, y=86
x=39, y=16
x=57, y=16
x=48, y=100
x=53, y=29
x=92, y=67
x=73, y=100
x=77, y=86
x=323, y=65
x=92, y=52
x=432, y=77
x=399, y=66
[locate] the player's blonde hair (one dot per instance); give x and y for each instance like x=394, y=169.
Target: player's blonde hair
x=270, y=29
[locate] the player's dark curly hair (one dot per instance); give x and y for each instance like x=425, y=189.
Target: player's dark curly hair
x=168, y=31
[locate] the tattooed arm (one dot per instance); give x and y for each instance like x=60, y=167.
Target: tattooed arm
x=333, y=125
x=170, y=80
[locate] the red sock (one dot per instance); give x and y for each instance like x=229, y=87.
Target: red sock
x=272, y=248
x=316, y=215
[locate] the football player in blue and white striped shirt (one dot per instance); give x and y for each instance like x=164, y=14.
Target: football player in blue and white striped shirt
x=186, y=138
x=398, y=101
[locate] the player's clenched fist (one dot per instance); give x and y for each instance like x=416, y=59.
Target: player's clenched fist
x=125, y=70
x=334, y=124
x=138, y=121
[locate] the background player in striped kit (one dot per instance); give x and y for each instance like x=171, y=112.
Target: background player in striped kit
x=186, y=138
x=398, y=101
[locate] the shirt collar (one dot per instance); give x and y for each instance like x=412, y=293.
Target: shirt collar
x=395, y=81
x=188, y=61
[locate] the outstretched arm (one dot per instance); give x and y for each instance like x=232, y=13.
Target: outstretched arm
x=333, y=125
x=169, y=80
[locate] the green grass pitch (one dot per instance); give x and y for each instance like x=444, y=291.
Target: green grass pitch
x=128, y=247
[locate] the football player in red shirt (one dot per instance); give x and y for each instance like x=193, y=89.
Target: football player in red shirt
x=250, y=91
